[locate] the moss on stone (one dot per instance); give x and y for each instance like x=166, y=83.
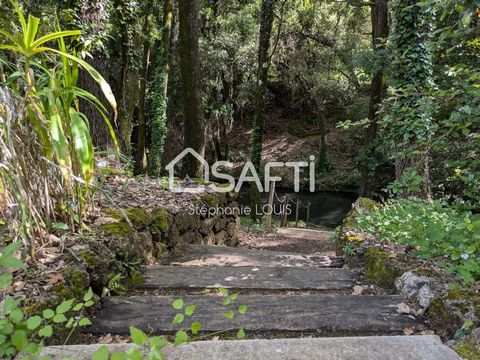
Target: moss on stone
x=161, y=219
x=381, y=269
x=469, y=348
x=213, y=199
x=109, y=171
x=448, y=313
x=120, y=229
x=139, y=218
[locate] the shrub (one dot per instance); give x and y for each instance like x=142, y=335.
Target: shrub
x=435, y=231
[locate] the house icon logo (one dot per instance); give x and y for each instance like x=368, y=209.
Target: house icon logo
x=171, y=167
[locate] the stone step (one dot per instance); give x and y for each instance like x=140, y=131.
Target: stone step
x=342, y=348
x=345, y=315
x=205, y=255
x=249, y=277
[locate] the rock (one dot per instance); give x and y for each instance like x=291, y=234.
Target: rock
x=221, y=238
x=185, y=221
x=382, y=269
x=341, y=348
x=416, y=288
x=449, y=312
x=469, y=346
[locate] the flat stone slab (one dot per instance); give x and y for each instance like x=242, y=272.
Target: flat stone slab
x=352, y=315
x=205, y=255
x=265, y=278
x=305, y=234
x=343, y=348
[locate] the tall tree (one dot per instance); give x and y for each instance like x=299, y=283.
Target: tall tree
x=141, y=158
x=380, y=29
x=194, y=136
x=266, y=24
x=158, y=124
x=409, y=111
x=127, y=17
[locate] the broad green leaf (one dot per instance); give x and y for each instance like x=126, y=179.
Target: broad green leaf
x=10, y=262
x=178, y=319
x=78, y=307
x=46, y=331
x=34, y=322
x=196, y=327
x=16, y=316
x=241, y=334
x=5, y=280
x=223, y=291
x=180, y=337
x=59, y=318
x=158, y=342
x=60, y=226
x=64, y=306
x=9, y=249
x=89, y=295
x=190, y=309
x=177, y=304
x=85, y=322
x=19, y=340
x=138, y=336
x=101, y=353
x=230, y=314
x=48, y=314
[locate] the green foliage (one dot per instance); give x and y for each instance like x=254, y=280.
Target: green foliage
x=42, y=101
x=26, y=334
x=433, y=230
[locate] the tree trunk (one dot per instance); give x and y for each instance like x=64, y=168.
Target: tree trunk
x=412, y=129
x=141, y=163
x=128, y=90
x=159, y=126
x=380, y=29
x=194, y=136
x=266, y=24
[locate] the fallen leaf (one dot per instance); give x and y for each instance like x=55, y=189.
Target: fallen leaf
x=19, y=285
x=54, y=278
x=409, y=331
x=403, y=308
x=358, y=290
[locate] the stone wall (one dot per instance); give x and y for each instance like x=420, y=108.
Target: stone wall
x=147, y=233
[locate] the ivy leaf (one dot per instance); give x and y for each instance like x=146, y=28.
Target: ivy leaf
x=241, y=334
x=190, y=309
x=178, y=319
x=138, y=336
x=34, y=322
x=242, y=309
x=180, y=337
x=177, y=304
x=48, y=314
x=223, y=291
x=196, y=327
x=234, y=296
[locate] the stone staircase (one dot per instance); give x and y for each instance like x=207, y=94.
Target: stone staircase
x=307, y=298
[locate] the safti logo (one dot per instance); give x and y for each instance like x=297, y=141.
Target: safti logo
x=248, y=175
